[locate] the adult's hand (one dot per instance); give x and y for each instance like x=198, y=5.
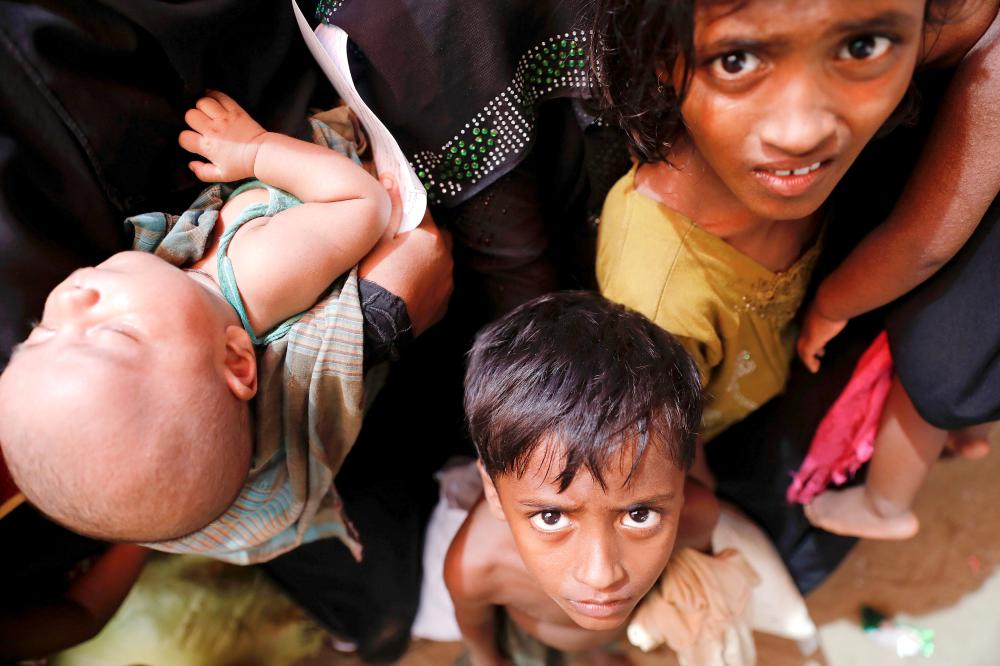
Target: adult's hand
x=416, y=266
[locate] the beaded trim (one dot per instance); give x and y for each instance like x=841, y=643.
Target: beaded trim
x=326, y=8
x=504, y=128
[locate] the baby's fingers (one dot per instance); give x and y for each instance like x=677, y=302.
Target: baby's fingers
x=206, y=172
x=197, y=120
x=224, y=100
x=191, y=142
x=809, y=355
x=210, y=107
x=396, y=211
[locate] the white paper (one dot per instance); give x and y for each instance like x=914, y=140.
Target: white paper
x=329, y=47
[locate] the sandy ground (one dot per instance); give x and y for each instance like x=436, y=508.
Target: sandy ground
x=944, y=579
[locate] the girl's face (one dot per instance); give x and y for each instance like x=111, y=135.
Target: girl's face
x=785, y=93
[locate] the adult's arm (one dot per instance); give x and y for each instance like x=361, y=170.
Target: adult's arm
x=952, y=185
x=416, y=267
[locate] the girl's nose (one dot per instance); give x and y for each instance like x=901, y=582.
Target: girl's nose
x=800, y=122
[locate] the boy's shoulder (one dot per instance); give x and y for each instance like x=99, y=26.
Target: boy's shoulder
x=482, y=548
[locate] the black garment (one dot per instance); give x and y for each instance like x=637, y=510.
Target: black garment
x=486, y=100
x=945, y=335
x=387, y=327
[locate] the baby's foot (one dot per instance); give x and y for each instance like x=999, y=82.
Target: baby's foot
x=969, y=443
x=851, y=513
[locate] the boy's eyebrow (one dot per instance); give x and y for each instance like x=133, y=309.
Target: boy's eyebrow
x=662, y=498
x=536, y=503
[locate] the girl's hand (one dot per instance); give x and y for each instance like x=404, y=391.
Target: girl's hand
x=817, y=330
x=225, y=135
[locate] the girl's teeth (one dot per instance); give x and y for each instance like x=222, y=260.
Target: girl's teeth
x=798, y=172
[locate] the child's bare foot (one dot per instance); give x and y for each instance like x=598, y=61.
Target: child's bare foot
x=852, y=513
x=969, y=443
x=601, y=657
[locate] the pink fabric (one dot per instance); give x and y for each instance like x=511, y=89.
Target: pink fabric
x=846, y=435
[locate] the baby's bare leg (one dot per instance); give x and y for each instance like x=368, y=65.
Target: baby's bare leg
x=972, y=443
x=905, y=448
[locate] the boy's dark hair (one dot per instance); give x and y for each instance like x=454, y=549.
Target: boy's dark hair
x=592, y=375
x=635, y=51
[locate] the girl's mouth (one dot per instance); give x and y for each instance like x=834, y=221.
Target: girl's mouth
x=792, y=182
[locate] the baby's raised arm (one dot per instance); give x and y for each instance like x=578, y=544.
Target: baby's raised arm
x=284, y=266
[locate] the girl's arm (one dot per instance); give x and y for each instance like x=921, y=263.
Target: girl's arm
x=953, y=184
x=284, y=266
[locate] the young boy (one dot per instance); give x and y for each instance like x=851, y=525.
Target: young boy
x=126, y=413
x=584, y=415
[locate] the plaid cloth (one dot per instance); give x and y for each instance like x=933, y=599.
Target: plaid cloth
x=307, y=411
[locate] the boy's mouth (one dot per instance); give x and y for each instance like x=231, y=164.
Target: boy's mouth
x=600, y=609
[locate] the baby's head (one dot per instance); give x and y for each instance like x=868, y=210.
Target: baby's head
x=584, y=414
x=777, y=96
x=124, y=414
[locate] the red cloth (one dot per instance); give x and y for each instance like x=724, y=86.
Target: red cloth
x=845, y=437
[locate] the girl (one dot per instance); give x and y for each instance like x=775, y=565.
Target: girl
x=938, y=212
x=743, y=117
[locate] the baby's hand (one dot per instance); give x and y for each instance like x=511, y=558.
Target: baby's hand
x=225, y=135
x=817, y=330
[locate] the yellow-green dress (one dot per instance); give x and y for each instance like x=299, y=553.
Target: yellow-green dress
x=734, y=316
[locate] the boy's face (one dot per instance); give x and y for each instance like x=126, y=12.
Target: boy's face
x=594, y=551
x=785, y=93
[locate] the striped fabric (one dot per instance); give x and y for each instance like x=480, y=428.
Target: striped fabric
x=307, y=411
x=307, y=414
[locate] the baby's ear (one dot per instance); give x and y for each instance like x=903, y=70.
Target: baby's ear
x=241, y=363
x=490, y=491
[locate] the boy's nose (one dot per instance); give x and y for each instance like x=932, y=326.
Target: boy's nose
x=599, y=567
x=799, y=121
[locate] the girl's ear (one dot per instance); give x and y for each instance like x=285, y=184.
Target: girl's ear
x=490, y=491
x=240, y=363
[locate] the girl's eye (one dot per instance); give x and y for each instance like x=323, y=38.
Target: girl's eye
x=549, y=521
x=735, y=64
x=866, y=47
x=642, y=517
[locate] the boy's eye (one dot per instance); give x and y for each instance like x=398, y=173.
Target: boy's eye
x=549, y=521
x=641, y=518
x=735, y=64
x=866, y=47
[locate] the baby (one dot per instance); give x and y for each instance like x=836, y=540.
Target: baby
x=584, y=416
x=126, y=415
